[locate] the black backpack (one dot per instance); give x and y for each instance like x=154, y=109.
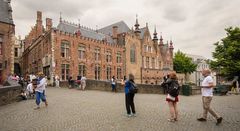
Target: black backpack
x=133, y=88
x=174, y=89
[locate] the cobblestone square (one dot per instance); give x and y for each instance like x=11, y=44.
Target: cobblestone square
x=74, y=110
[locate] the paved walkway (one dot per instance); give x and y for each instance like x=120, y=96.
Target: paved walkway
x=74, y=110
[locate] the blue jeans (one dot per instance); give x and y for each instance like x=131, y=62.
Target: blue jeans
x=113, y=87
x=40, y=96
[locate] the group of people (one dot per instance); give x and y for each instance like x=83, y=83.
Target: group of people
x=81, y=82
x=37, y=88
x=172, y=91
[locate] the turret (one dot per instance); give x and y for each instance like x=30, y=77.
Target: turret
x=137, y=30
x=155, y=39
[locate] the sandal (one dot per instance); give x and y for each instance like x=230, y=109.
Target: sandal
x=171, y=120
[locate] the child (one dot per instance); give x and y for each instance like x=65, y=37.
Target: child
x=30, y=90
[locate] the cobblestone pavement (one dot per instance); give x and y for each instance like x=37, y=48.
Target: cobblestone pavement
x=74, y=110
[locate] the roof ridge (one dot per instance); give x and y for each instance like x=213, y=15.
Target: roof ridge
x=115, y=24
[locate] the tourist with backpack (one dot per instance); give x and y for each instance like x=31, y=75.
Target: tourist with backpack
x=129, y=96
x=172, y=96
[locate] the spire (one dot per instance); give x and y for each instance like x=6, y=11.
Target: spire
x=161, y=40
x=79, y=23
x=155, y=34
x=60, y=19
x=137, y=30
x=171, y=44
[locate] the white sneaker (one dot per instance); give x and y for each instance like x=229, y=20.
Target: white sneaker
x=134, y=114
x=129, y=115
x=36, y=108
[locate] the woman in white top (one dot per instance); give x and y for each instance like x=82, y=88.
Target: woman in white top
x=83, y=82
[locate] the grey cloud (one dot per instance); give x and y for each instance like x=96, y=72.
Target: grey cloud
x=193, y=25
x=175, y=14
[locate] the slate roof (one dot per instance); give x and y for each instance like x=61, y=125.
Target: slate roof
x=86, y=32
x=5, y=16
x=122, y=27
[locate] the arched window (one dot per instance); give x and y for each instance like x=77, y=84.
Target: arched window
x=119, y=73
x=65, y=49
x=82, y=70
x=97, y=72
x=65, y=71
x=97, y=54
x=119, y=57
x=81, y=51
x=109, y=72
x=108, y=56
x=133, y=54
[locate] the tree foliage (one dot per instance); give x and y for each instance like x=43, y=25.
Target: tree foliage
x=227, y=54
x=183, y=64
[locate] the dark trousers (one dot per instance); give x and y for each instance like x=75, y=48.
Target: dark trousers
x=130, y=103
x=114, y=87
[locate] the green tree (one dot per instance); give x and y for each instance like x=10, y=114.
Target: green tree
x=227, y=54
x=183, y=64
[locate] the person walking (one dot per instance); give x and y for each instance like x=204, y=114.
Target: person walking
x=83, y=82
x=172, y=92
x=57, y=80
x=129, y=97
x=41, y=90
x=113, y=83
x=207, y=94
x=30, y=92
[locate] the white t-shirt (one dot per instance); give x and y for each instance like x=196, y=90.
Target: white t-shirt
x=113, y=81
x=42, y=86
x=83, y=79
x=207, y=91
x=30, y=87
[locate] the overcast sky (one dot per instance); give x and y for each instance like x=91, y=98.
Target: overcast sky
x=193, y=25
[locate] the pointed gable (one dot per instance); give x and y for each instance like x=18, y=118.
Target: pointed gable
x=122, y=27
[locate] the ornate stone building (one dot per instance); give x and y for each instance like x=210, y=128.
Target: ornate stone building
x=116, y=50
x=7, y=30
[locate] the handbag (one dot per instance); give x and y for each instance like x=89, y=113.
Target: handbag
x=171, y=97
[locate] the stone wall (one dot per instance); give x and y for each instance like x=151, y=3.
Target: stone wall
x=106, y=86
x=143, y=88
x=9, y=94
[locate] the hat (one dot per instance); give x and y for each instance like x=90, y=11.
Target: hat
x=40, y=73
x=34, y=77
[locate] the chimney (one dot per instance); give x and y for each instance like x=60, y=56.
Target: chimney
x=114, y=32
x=48, y=24
x=39, y=17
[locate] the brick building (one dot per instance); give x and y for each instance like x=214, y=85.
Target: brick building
x=18, y=50
x=7, y=30
x=116, y=50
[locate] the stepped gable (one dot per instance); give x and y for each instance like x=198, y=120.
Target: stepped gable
x=122, y=27
x=86, y=32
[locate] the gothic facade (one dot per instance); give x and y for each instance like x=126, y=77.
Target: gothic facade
x=116, y=50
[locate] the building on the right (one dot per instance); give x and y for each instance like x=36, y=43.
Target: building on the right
x=202, y=63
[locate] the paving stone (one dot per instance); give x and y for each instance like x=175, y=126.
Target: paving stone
x=74, y=110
